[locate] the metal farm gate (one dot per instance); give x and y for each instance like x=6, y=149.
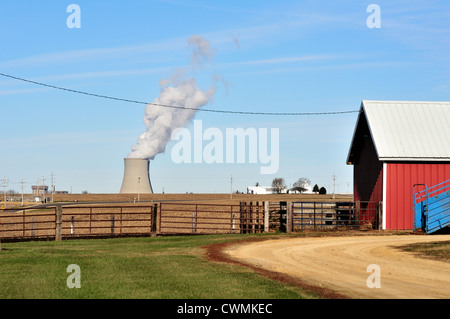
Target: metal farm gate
x=190, y=218
x=58, y=222
x=334, y=215
x=431, y=207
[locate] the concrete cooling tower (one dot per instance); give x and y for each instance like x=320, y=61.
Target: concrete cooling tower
x=136, y=178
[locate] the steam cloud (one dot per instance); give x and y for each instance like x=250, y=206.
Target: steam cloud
x=178, y=91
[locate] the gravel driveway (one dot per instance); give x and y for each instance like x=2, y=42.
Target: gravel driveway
x=357, y=266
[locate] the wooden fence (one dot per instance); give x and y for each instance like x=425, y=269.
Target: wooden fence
x=75, y=221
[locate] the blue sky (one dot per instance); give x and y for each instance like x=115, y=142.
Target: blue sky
x=273, y=56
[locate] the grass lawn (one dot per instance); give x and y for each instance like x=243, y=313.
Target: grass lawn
x=435, y=250
x=155, y=268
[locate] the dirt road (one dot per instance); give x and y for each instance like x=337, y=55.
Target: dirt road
x=341, y=264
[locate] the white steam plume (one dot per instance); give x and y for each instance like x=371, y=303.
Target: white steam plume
x=178, y=91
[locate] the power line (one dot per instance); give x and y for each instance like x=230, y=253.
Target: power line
x=174, y=106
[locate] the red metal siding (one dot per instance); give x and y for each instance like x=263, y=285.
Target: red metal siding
x=400, y=178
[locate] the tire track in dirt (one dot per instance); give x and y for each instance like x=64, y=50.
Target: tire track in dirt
x=340, y=264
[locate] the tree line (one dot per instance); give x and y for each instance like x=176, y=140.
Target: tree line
x=301, y=186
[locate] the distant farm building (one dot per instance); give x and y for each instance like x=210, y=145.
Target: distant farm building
x=395, y=145
x=61, y=192
x=263, y=190
x=39, y=189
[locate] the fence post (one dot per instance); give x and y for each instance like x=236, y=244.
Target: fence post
x=58, y=230
x=266, y=216
x=282, y=213
x=242, y=217
x=23, y=223
x=357, y=213
x=72, y=225
x=33, y=219
x=154, y=228
x=289, y=218
x=232, y=220
x=121, y=213
x=251, y=214
x=314, y=216
x=112, y=224
x=380, y=216
x=194, y=220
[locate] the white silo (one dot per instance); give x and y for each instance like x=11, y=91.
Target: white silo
x=136, y=177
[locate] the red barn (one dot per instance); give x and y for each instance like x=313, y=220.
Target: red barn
x=395, y=145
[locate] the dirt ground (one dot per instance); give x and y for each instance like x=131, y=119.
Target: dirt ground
x=340, y=265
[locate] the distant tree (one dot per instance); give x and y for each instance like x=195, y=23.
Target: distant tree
x=316, y=189
x=84, y=192
x=322, y=190
x=278, y=184
x=301, y=185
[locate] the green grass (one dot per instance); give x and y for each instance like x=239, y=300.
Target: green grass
x=434, y=250
x=156, y=268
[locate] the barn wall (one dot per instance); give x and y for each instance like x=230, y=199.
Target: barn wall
x=400, y=180
x=368, y=174
x=367, y=169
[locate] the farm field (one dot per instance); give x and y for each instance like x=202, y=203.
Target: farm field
x=188, y=197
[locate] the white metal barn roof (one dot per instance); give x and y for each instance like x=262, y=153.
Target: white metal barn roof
x=408, y=130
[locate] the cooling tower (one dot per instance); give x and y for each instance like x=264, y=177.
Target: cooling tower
x=136, y=178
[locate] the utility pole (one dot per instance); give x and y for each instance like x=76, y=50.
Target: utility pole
x=53, y=185
x=37, y=189
x=139, y=190
x=231, y=187
x=43, y=189
x=334, y=185
x=22, y=182
x=5, y=182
